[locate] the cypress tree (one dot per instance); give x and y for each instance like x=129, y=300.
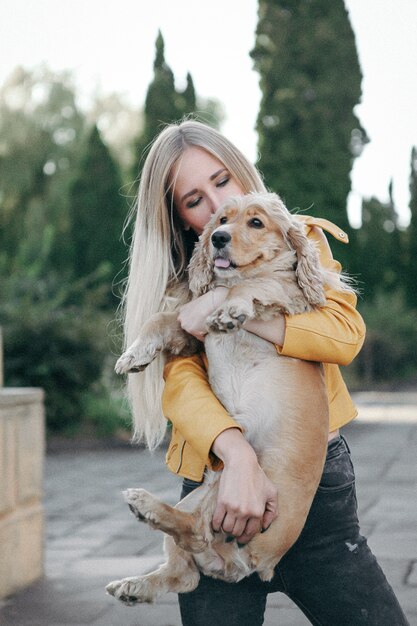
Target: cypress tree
x=411, y=272
x=97, y=212
x=310, y=80
x=188, y=95
x=163, y=103
x=378, y=248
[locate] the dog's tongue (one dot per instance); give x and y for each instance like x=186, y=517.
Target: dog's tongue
x=221, y=262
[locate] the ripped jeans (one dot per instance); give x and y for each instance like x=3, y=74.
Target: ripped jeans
x=329, y=573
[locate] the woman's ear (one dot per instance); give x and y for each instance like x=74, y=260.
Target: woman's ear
x=200, y=268
x=309, y=274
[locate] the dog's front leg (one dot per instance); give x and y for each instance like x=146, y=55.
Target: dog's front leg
x=179, y=574
x=237, y=309
x=161, y=332
x=262, y=299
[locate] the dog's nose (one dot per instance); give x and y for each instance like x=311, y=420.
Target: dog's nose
x=220, y=238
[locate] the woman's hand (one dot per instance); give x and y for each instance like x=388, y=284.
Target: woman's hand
x=247, y=500
x=193, y=315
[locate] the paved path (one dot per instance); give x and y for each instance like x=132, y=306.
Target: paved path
x=91, y=538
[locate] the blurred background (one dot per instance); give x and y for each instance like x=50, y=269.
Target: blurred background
x=321, y=95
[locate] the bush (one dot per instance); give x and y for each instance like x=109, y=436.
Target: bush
x=106, y=412
x=54, y=338
x=389, y=353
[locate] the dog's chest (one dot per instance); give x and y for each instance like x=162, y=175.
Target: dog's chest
x=244, y=371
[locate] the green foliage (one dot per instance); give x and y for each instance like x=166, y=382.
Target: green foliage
x=54, y=338
x=106, y=412
x=389, y=352
x=97, y=212
x=61, y=218
x=378, y=248
x=411, y=275
x=310, y=81
x=165, y=104
x=40, y=129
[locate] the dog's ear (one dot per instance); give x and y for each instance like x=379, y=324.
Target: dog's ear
x=310, y=276
x=200, y=268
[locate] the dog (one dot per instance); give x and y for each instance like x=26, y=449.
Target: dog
x=259, y=250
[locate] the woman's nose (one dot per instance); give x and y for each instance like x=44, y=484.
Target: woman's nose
x=216, y=202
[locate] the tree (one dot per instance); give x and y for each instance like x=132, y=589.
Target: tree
x=41, y=128
x=378, y=258
x=118, y=123
x=97, y=212
x=310, y=80
x=165, y=104
x=412, y=235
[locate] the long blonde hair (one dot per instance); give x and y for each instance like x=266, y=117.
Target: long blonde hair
x=158, y=255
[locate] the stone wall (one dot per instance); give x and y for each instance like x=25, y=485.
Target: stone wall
x=22, y=448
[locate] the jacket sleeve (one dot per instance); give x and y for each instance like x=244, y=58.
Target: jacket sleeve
x=189, y=403
x=333, y=334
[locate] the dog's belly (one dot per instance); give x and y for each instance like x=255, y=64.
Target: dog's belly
x=253, y=382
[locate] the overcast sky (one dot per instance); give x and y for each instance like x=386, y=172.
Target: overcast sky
x=109, y=45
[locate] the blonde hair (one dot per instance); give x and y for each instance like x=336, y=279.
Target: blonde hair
x=158, y=255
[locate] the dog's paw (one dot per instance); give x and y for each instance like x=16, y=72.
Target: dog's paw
x=136, y=358
x=143, y=505
x=130, y=591
x=231, y=316
x=266, y=574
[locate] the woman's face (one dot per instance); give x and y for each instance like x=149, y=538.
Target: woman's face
x=202, y=184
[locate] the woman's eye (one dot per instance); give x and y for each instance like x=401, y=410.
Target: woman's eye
x=223, y=182
x=193, y=203
x=255, y=223
x=223, y=220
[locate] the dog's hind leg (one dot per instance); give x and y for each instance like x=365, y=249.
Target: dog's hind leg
x=188, y=531
x=179, y=574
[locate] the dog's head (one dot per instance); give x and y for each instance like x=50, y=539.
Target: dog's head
x=248, y=231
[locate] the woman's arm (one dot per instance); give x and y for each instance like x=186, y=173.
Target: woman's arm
x=247, y=499
x=332, y=334
x=190, y=404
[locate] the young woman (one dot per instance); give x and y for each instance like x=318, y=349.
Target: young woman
x=330, y=572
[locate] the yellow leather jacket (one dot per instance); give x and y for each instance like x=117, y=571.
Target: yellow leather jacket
x=332, y=335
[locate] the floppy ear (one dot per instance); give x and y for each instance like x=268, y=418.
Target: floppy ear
x=200, y=268
x=310, y=276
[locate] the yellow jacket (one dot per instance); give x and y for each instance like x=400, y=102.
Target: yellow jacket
x=332, y=335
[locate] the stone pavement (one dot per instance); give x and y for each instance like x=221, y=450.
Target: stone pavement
x=91, y=538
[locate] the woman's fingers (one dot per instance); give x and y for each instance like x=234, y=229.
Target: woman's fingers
x=247, y=499
x=218, y=517
x=268, y=518
x=242, y=528
x=252, y=528
x=193, y=315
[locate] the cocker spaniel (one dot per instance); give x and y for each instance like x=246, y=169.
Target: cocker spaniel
x=257, y=249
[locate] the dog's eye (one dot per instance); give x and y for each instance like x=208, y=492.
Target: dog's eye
x=223, y=220
x=255, y=223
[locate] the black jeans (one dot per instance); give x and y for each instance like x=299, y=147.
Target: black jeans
x=330, y=572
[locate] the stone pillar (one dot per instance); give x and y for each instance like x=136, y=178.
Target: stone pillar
x=22, y=448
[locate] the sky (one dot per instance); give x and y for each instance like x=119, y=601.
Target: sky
x=110, y=45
